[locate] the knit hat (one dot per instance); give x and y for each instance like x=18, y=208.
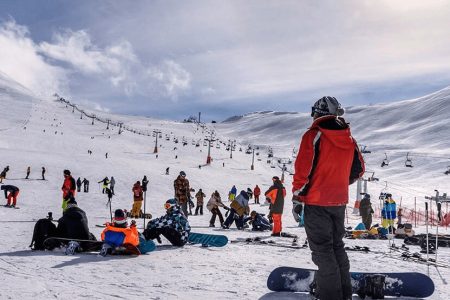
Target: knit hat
x=119, y=217
x=182, y=173
x=327, y=106
x=66, y=172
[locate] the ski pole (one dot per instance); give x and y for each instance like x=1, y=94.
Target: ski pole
x=145, y=200
x=426, y=224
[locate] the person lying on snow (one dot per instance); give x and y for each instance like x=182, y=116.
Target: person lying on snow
x=258, y=221
x=117, y=233
x=174, y=226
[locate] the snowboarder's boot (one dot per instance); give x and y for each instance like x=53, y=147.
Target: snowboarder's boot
x=106, y=249
x=373, y=287
x=72, y=248
x=212, y=225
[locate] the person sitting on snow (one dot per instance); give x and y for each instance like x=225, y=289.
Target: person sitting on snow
x=174, y=226
x=118, y=233
x=73, y=225
x=258, y=222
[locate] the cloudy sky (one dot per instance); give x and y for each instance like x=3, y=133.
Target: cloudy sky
x=172, y=59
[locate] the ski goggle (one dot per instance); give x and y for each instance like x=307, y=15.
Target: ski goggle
x=168, y=205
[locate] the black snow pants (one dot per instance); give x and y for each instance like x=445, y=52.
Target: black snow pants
x=325, y=230
x=170, y=234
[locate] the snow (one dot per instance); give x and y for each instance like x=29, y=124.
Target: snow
x=236, y=271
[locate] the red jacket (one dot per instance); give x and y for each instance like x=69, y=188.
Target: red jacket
x=256, y=191
x=137, y=192
x=327, y=162
x=68, y=187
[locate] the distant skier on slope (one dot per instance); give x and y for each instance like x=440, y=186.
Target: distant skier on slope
x=3, y=174
x=276, y=194
x=182, y=192
x=105, y=183
x=200, y=196
x=79, y=184
x=174, y=226
x=85, y=183
x=256, y=193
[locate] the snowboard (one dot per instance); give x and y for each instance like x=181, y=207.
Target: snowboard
x=407, y=284
x=7, y=206
x=212, y=240
x=86, y=245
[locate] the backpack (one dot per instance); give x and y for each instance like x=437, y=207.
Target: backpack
x=44, y=228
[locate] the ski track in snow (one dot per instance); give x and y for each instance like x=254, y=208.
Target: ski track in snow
x=236, y=271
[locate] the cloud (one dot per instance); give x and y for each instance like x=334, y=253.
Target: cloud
x=172, y=77
x=20, y=60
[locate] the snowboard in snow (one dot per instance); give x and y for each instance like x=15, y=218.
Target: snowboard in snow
x=407, y=284
x=86, y=245
x=212, y=240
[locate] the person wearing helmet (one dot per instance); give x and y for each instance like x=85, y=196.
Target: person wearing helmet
x=118, y=233
x=327, y=162
x=174, y=226
x=68, y=188
x=182, y=192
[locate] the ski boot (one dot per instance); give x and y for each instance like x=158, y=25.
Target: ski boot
x=106, y=249
x=72, y=248
x=373, y=286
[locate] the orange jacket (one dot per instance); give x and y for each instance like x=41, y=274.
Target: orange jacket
x=119, y=236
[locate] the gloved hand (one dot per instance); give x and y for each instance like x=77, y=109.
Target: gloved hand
x=297, y=209
x=158, y=238
x=270, y=218
x=226, y=208
x=296, y=193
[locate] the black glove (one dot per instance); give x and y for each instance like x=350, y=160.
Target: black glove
x=158, y=238
x=270, y=219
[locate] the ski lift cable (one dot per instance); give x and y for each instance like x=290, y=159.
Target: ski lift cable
x=398, y=187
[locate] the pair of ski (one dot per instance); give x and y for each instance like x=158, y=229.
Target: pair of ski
x=263, y=240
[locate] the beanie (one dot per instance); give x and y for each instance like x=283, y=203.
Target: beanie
x=119, y=217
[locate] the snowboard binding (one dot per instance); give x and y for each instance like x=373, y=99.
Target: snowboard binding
x=373, y=287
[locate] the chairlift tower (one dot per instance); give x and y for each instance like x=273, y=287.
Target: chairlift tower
x=107, y=126
x=210, y=140
x=231, y=144
x=252, y=167
x=156, y=132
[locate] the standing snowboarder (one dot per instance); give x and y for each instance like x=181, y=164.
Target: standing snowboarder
x=366, y=211
x=256, y=193
x=12, y=196
x=238, y=211
x=105, y=184
x=68, y=188
x=43, y=173
x=137, y=200
x=213, y=206
x=28, y=172
x=112, y=183
x=79, y=184
x=85, y=183
x=327, y=162
x=182, y=192
x=276, y=194
x=232, y=193
x=200, y=196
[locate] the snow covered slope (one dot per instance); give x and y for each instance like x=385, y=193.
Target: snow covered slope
x=42, y=132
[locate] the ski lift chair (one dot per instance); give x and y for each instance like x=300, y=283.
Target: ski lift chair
x=408, y=162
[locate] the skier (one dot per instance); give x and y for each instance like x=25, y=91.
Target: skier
x=3, y=174
x=388, y=213
x=213, y=206
x=118, y=233
x=73, y=225
x=85, y=183
x=182, y=192
x=239, y=209
x=256, y=193
x=112, y=183
x=174, y=226
x=137, y=200
x=232, y=193
x=68, y=188
x=79, y=184
x=43, y=173
x=28, y=172
x=258, y=221
x=105, y=184
x=276, y=194
x=328, y=161
x=167, y=171
x=200, y=197
x=12, y=196
x=366, y=211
